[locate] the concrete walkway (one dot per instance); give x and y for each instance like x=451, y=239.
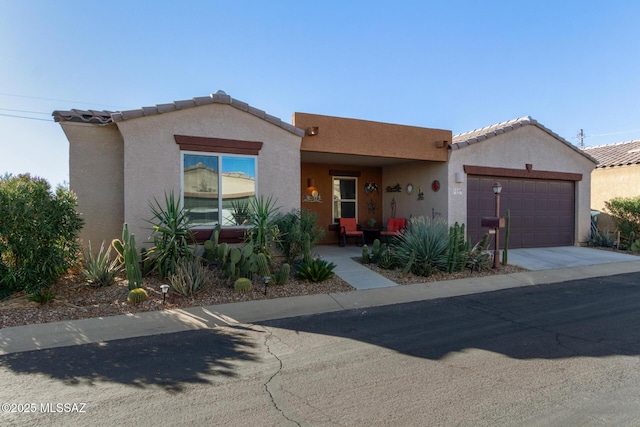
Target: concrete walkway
x=379, y=292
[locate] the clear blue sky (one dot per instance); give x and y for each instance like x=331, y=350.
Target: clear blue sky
x=457, y=65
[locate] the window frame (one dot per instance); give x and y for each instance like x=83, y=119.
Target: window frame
x=336, y=220
x=219, y=156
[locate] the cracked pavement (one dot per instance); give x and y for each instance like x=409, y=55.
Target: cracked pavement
x=561, y=354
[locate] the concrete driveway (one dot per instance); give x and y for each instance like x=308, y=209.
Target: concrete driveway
x=565, y=256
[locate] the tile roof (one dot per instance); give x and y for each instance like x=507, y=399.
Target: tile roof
x=620, y=154
x=220, y=97
x=102, y=117
x=478, y=135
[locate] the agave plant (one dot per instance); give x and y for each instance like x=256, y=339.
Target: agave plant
x=171, y=234
x=423, y=248
x=100, y=269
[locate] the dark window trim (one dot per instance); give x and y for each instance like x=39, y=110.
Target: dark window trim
x=218, y=145
x=528, y=172
x=335, y=172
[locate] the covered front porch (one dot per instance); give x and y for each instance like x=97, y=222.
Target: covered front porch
x=370, y=171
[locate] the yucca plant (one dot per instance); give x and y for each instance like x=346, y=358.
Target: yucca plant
x=171, y=234
x=191, y=276
x=100, y=270
x=423, y=248
x=318, y=270
x=263, y=230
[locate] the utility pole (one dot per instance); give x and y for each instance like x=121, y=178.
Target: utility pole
x=581, y=139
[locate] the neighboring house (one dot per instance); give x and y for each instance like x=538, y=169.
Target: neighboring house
x=215, y=152
x=617, y=173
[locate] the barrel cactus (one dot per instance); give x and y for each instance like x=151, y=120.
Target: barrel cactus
x=242, y=285
x=137, y=295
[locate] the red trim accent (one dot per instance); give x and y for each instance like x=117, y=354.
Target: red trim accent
x=217, y=145
x=522, y=173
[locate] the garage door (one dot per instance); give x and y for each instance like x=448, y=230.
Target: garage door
x=542, y=211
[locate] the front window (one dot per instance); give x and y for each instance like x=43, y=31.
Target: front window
x=344, y=198
x=217, y=188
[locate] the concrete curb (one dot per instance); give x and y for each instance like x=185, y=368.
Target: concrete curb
x=85, y=331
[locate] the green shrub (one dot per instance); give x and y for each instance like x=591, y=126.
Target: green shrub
x=191, y=276
x=38, y=233
x=605, y=239
x=171, y=233
x=316, y=271
x=242, y=285
x=100, y=270
x=386, y=259
x=635, y=246
x=292, y=227
x=625, y=213
x=423, y=248
x=137, y=295
x=43, y=296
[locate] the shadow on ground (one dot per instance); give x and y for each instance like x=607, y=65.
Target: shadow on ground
x=592, y=318
x=168, y=361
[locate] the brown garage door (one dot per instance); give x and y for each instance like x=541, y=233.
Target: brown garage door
x=542, y=211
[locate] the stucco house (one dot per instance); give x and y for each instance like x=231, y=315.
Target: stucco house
x=216, y=151
x=617, y=173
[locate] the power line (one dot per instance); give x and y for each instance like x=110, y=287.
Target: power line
x=23, y=111
x=25, y=117
x=56, y=100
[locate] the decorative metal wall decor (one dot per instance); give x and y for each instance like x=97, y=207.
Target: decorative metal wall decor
x=395, y=189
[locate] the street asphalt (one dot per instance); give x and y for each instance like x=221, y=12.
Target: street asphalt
x=547, y=266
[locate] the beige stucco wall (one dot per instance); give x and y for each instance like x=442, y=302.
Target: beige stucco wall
x=152, y=157
x=96, y=175
x=610, y=182
x=419, y=174
x=514, y=149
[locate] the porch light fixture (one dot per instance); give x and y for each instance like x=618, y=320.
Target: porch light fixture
x=497, y=188
x=164, y=289
x=312, y=131
x=311, y=183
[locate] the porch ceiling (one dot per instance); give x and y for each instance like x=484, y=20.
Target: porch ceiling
x=349, y=159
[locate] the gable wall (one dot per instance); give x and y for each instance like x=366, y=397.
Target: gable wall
x=96, y=175
x=152, y=157
x=514, y=149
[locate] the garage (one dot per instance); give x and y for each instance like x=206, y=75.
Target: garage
x=542, y=211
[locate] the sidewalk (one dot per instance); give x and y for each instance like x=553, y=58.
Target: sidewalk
x=374, y=290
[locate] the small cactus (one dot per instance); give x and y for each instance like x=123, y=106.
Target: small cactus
x=242, y=285
x=281, y=276
x=365, y=254
x=137, y=295
x=263, y=265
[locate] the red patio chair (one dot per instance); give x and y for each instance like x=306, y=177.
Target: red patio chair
x=349, y=228
x=395, y=227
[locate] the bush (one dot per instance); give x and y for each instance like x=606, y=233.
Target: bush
x=191, y=276
x=316, y=271
x=38, y=233
x=293, y=227
x=100, y=270
x=171, y=234
x=625, y=213
x=423, y=248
